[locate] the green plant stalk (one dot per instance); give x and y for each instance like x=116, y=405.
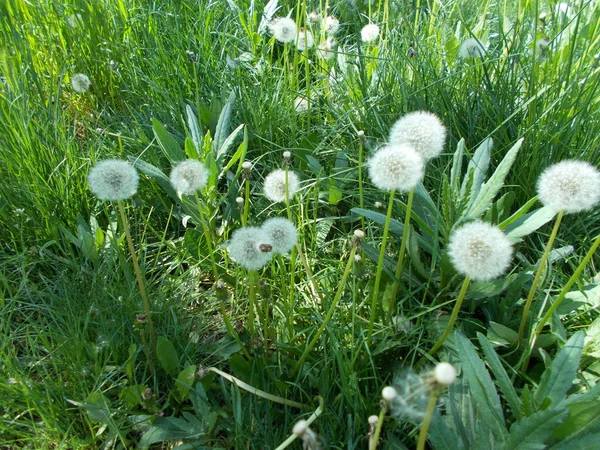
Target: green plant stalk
x=292, y=292
x=375, y=296
x=310, y=420
x=336, y=299
x=138, y=276
x=246, y=202
x=375, y=440
x=461, y=297
x=361, y=200
x=400, y=265
x=251, y=301
x=207, y=237
x=538, y=275
x=427, y=421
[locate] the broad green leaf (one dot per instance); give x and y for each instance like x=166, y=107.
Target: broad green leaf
x=190, y=149
x=184, y=382
x=519, y=213
x=167, y=355
x=584, y=419
x=476, y=169
x=167, y=142
x=529, y=223
x=481, y=386
x=227, y=144
x=495, y=183
x=240, y=154
x=335, y=193
x=441, y=436
x=194, y=127
x=456, y=170
x=531, y=433
x=223, y=125
x=558, y=378
x=157, y=175
x=587, y=442
x=501, y=334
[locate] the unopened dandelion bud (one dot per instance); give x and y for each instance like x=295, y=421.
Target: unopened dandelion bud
x=287, y=158
x=378, y=205
x=388, y=394
x=359, y=271
x=247, y=167
x=221, y=291
x=240, y=201
x=444, y=374
x=373, y=420
x=361, y=134
x=359, y=235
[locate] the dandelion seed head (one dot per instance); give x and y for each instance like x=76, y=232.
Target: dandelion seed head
x=471, y=48
x=282, y=234
x=326, y=49
x=369, y=32
x=188, y=176
x=480, y=251
x=80, y=83
x=245, y=247
x=274, y=186
x=444, y=374
x=396, y=167
x=113, y=179
x=284, y=29
x=332, y=25
x=423, y=130
x=314, y=18
x=570, y=185
x=412, y=396
x=305, y=39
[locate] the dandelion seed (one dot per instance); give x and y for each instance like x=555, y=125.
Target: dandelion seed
x=305, y=40
x=327, y=49
x=396, y=167
x=113, y=179
x=570, y=185
x=423, y=130
x=412, y=396
x=189, y=176
x=369, y=32
x=274, y=186
x=80, y=83
x=282, y=234
x=245, y=248
x=471, y=48
x=284, y=29
x=480, y=251
x=332, y=25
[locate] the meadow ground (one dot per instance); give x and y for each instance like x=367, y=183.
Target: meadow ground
x=147, y=307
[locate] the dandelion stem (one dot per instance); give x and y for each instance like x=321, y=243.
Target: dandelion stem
x=427, y=420
x=361, y=145
x=453, y=316
x=375, y=297
x=332, y=307
x=375, y=439
x=538, y=275
x=246, y=202
x=288, y=208
x=138, y=275
x=400, y=265
x=252, y=300
x=207, y=237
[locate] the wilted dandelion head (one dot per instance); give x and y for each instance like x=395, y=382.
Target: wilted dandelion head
x=396, y=167
x=423, y=130
x=314, y=18
x=369, y=32
x=305, y=39
x=250, y=247
x=570, y=185
x=188, y=176
x=80, y=83
x=326, y=49
x=284, y=29
x=274, y=186
x=412, y=395
x=332, y=25
x=480, y=251
x=471, y=48
x=282, y=234
x=113, y=179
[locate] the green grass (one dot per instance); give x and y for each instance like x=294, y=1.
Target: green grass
x=72, y=357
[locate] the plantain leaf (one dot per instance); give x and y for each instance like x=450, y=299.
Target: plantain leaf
x=167, y=355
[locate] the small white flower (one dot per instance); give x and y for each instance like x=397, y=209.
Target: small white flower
x=480, y=251
x=571, y=185
x=250, y=248
x=305, y=39
x=282, y=234
x=188, y=176
x=369, y=32
x=444, y=374
x=332, y=25
x=274, y=186
x=284, y=29
x=396, y=167
x=300, y=104
x=80, y=83
x=326, y=49
x=471, y=48
x=422, y=130
x=113, y=179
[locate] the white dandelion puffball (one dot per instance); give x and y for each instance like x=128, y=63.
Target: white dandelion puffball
x=480, y=251
x=314, y=18
x=282, y=234
x=188, y=176
x=570, y=185
x=369, y=32
x=444, y=374
x=332, y=25
x=274, y=186
x=113, y=179
x=422, y=130
x=471, y=48
x=300, y=104
x=80, y=83
x=396, y=167
x=305, y=39
x=284, y=29
x=250, y=248
x=326, y=50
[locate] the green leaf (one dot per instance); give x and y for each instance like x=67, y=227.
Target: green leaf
x=157, y=175
x=240, y=154
x=482, y=388
x=476, y=169
x=184, y=382
x=335, y=193
x=456, y=170
x=532, y=432
x=167, y=142
x=584, y=419
x=194, y=127
x=587, y=442
x=167, y=355
x=529, y=223
x=558, y=378
x=494, y=184
x=223, y=124
x=226, y=145
x=501, y=334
